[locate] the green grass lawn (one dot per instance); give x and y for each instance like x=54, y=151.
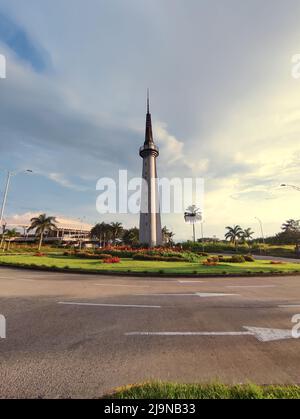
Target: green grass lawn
x=208, y=391
x=126, y=265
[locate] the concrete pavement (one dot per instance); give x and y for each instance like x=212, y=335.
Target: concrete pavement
x=80, y=336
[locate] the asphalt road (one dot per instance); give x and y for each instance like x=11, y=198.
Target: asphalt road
x=80, y=336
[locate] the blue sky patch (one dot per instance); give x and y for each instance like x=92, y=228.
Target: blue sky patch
x=16, y=38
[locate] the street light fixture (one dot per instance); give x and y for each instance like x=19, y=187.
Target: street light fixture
x=192, y=216
x=261, y=228
x=9, y=175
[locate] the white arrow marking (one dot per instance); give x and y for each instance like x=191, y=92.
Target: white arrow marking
x=107, y=305
x=269, y=335
x=261, y=334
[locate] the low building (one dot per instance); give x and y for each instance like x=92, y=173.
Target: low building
x=68, y=231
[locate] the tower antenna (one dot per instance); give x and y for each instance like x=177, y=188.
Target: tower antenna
x=148, y=101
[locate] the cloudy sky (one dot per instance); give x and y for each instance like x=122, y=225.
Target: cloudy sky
x=224, y=104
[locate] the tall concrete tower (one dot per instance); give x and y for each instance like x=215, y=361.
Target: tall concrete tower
x=150, y=221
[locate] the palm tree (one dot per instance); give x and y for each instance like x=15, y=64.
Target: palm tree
x=192, y=215
x=116, y=231
x=167, y=236
x=107, y=232
x=42, y=225
x=131, y=236
x=291, y=226
x=234, y=234
x=10, y=235
x=98, y=232
x=247, y=234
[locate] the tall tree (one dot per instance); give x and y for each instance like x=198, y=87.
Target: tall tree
x=291, y=226
x=234, y=234
x=131, y=236
x=42, y=225
x=167, y=236
x=10, y=235
x=116, y=231
x=290, y=233
x=103, y=233
x=247, y=234
x=97, y=232
x=193, y=215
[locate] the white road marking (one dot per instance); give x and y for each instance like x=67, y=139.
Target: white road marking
x=188, y=334
x=116, y=285
x=26, y=280
x=17, y=279
x=289, y=306
x=167, y=295
x=108, y=305
x=251, y=286
x=269, y=335
x=190, y=282
x=261, y=334
x=196, y=294
x=213, y=294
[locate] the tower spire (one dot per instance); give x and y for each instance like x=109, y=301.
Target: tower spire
x=148, y=134
x=150, y=233
x=148, y=101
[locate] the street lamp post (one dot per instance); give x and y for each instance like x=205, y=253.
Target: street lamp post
x=81, y=232
x=192, y=216
x=9, y=175
x=261, y=229
x=202, y=236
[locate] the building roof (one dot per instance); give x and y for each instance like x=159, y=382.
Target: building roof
x=23, y=220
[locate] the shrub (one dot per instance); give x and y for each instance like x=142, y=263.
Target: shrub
x=249, y=258
x=276, y=262
x=86, y=255
x=112, y=260
x=144, y=256
x=39, y=254
x=237, y=259
x=209, y=262
x=117, y=253
x=213, y=259
x=68, y=253
x=191, y=257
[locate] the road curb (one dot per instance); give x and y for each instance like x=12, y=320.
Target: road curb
x=147, y=274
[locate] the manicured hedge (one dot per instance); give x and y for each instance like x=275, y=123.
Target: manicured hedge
x=143, y=256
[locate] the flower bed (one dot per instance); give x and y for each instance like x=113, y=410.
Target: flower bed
x=112, y=260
